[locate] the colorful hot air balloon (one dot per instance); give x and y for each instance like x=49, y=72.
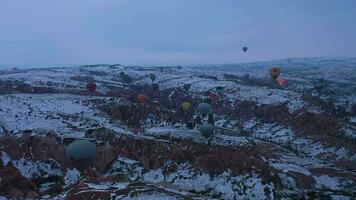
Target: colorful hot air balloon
x=186, y=106
x=142, y=99
x=91, y=87
x=274, y=72
x=244, y=49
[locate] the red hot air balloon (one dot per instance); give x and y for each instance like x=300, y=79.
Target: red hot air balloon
x=91, y=87
x=281, y=82
x=142, y=99
x=125, y=94
x=213, y=97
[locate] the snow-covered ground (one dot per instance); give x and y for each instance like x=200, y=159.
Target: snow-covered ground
x=292, y=155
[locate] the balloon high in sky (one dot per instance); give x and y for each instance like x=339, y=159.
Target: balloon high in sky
x=176, y=32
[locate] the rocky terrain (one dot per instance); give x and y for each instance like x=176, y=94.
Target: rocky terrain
x=271, y=141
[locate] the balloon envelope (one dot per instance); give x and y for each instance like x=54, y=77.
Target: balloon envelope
x=206, y=130
x=186, y=87
x=81, y=150
x=274, y=72
x=142, y=98
x=91, y=87
x=204, y=108
x=281, y=82
x=220, y=90
x=213, y=97
x=186, y=106
x=244, y=49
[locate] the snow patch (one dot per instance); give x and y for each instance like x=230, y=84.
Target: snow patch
x=72, y=176
x=5, y=158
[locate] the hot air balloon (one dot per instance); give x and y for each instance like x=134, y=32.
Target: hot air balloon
x=186, y=106
x=152, y=77
x=91, y=87
x=244, y=49
x=186, y=87
x=155, y=86
x=81, y=153
x=207, y=130
x=213, y=97
x=274, y=72
x=142, y=99
x=281, y=82
x=125, y=94
x=204, y=108
x=220, y=90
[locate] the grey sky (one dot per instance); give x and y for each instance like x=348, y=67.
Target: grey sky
x=43, y=32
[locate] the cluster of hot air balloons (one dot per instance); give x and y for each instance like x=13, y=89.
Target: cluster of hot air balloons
x=274, y=73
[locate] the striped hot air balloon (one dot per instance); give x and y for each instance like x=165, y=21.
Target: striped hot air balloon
x=91, y=87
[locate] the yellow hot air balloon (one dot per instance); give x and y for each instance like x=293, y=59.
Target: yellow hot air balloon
x=186, y=106
x=274, y=72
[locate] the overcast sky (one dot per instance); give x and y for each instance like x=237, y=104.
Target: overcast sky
x=62, y=32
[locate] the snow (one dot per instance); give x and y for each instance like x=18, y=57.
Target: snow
x=327, y=181
x=353, y=120
x=175, y=133
x=315, y=149
x=289, y=167
x=154, y=196
x=65, y=115
x=108, y=185
x=131, y=168
x=5, y=158
x=230, y=141
x=269, y=132
x=195, y=135
x=250, y=124
x=32, y=170
x=71, y=177
x=154, y=176
x=187, y=178
x=340, y=197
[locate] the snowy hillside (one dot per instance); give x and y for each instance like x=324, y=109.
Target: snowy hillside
x=270, y=141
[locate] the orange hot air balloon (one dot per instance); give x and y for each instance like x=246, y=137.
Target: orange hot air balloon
x=91, y=87
x=142, y=99
x=274, y=72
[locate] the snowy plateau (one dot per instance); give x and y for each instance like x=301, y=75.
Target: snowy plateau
x=296, y=141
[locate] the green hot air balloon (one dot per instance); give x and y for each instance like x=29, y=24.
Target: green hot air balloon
x=81, y=152
x=207, y=130
x=204, y=108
